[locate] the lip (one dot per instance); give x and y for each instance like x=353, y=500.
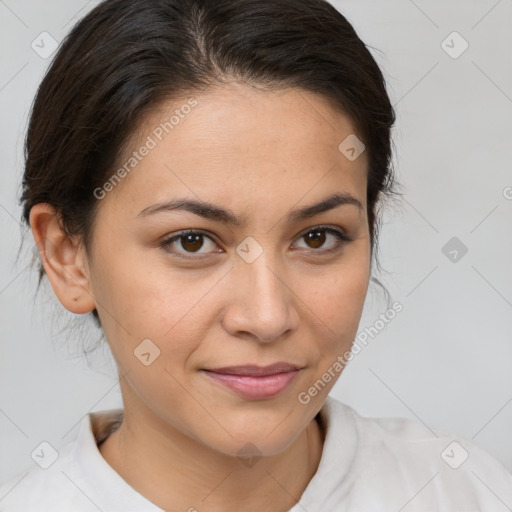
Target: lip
x=255, y=382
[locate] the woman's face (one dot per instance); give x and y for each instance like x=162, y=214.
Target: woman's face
x=218, y=334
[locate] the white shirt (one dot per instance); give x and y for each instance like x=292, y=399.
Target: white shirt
x=367, y=464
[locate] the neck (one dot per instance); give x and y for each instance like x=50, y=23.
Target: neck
x=176, y=472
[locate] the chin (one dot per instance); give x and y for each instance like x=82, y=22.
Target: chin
x=265, y=433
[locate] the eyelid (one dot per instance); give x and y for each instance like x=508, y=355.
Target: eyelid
x=168, y=240
x=329, y=228
x=339, y=233
x=336, y=231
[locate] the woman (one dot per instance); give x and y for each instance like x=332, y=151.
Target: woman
x=204, y=178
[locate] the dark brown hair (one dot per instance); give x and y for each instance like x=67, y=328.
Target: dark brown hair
x=127, y=56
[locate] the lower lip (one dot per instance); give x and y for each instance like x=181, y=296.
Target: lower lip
x=255, y=388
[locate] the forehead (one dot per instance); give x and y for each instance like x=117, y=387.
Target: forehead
x=240, y=144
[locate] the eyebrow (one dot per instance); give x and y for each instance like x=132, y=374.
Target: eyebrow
x=218, y=214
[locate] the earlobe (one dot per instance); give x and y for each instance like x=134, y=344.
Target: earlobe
x=63, y=259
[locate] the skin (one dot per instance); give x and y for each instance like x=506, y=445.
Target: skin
x=259, y=154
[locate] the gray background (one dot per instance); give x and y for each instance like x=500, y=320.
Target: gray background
x=445, y=360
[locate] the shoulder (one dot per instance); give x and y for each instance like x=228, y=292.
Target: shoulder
x=59, y=480
x=399, y=459
x=41, y=487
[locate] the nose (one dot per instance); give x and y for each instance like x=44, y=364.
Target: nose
x=262, y=304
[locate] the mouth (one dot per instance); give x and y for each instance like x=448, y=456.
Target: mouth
x=255, y=382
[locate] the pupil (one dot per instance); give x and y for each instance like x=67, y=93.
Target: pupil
x=317, y=238
x=193, y=240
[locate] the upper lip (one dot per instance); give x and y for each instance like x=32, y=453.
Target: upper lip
x=256, y=371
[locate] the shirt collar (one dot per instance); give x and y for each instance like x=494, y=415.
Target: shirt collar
x=113, y=493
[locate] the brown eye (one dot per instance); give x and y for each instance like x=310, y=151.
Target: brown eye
x=190, y=242
x=323, y=240
x=315, y=239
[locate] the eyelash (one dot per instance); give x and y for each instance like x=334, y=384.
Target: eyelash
x=342, y=239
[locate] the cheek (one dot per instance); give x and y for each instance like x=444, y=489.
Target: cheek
x=143, y=298
x=338, y=298
x=138, y=300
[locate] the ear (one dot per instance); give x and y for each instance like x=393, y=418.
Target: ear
x=63, y=258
